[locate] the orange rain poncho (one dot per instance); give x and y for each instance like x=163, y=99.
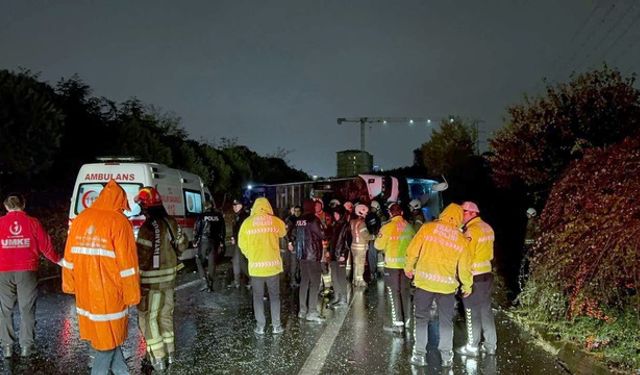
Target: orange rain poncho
x=101, y=268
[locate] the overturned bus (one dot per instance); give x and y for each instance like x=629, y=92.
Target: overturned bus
x=362, y=188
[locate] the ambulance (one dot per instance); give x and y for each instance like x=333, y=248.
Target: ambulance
x=183, y=193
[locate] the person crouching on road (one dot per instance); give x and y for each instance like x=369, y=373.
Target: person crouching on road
x=22, y=238
x=259, y=240
x=101, y=269
x=393, y=239
x=360, y=238
x=209, y=236
x=307, y=239
x=338, y=254
x=435, y=255
x=160, y=242
x=477, y=307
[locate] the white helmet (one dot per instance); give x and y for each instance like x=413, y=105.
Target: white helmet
x=375, y=205
x=361, y=210
x=531, y=212
x=415, y=204
x=334, y=203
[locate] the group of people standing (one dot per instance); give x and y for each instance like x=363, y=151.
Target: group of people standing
x=437, y=258
x=108, y=269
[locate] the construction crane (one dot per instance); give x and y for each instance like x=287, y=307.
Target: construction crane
x=380, y=121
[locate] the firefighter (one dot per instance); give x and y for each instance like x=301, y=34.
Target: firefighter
x=160, y=242
x=360, y=238
x=417, y=216
x=393, y=239
x=259, y=240
x=101, y=269
x=436, y=255
x=23, y=239
x=477, y=307
x=209, y=236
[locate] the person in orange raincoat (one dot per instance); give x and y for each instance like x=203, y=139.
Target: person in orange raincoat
x=101, y=268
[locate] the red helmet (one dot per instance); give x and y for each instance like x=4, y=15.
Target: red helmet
x=148, y=196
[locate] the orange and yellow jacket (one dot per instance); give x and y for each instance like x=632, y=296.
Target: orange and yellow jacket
x=101, y=268
x=438, y=254
x=481, y=237
x=259, y=240
x=393, y=239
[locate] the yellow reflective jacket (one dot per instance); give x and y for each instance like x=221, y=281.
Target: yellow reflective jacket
x=438, y=253
x=393, y=239
x=480, y=236
x=259, y=240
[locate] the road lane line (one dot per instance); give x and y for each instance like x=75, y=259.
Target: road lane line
x=320, y=352
x=190, y=283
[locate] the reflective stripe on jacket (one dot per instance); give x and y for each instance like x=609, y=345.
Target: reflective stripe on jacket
x=481, y=237
x=439, y=256
x=258, y=240
x=394, y=238
x=156, y=253
x=101, y=269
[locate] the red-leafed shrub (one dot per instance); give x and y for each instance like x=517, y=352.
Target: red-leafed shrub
x=590, y=242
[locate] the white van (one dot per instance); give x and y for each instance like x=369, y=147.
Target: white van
x=183, y=193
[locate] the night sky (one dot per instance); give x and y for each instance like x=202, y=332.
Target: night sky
x=278, y=73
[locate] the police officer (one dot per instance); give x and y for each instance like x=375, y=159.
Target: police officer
x=239, y=261
x=209, y=238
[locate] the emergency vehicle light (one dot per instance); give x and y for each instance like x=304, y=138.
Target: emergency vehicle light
x=116, y=158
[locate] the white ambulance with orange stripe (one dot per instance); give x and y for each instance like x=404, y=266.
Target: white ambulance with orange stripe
x=183, y=193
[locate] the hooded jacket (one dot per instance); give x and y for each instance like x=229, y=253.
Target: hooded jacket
x=22, y=238
x=481, y=237
x=258, y=240
x=101, y=269
x=439, y=254
x=394, y=238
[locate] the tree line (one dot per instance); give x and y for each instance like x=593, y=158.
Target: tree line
x=49, y=131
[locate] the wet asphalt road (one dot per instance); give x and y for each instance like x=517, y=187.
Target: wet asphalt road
x=214, y=335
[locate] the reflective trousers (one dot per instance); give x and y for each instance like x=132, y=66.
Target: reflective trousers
x=423, y=301
x=397, y=287
x=478, y=314
x=359, y=251
x=155, y=319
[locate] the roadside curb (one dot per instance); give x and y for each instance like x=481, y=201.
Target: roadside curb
x=572, y=357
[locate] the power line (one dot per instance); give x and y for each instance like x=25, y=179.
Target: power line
x=626, y=30
x=585, y=42
x=615, y=25
x=585, y=22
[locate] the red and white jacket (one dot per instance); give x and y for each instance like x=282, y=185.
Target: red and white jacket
x=22, y=239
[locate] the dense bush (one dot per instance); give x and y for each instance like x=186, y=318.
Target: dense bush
x=586, y=264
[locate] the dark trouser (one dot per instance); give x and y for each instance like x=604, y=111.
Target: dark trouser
x=372, y=260
x=240, y=265
x=207, y=254
x=23, y=285
x=273, y=286
x=478, y=313
x=446, y=304
x=155, y=319
x=339, y=280
x=109, y=360
x=397, y=286
x=294, y=268
x=311, y=272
